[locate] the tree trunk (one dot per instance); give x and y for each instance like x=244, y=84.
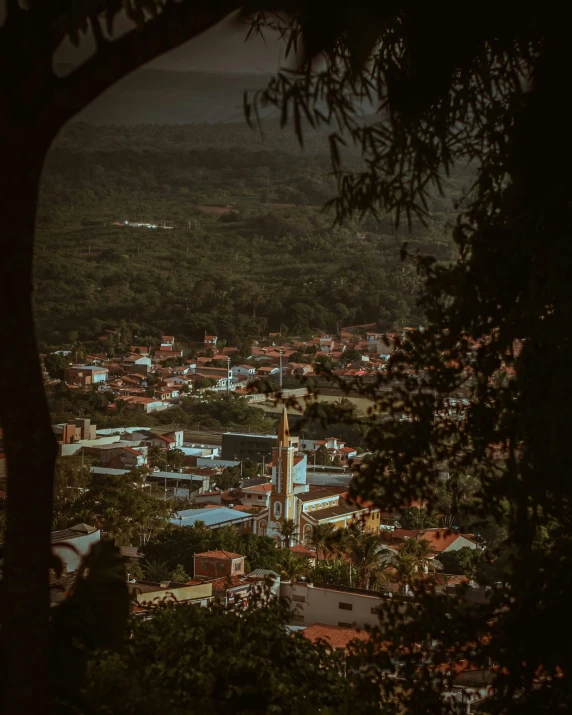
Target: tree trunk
x=28, y=439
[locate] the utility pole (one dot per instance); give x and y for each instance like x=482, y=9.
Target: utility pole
x=281, y=353
x=228, y=377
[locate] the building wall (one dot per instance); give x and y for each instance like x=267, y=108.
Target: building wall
x=462, y=543
x=218, y=568
x=180, y=593
x=247, y=446
x=312, y=604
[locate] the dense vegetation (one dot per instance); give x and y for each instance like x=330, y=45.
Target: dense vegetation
x=275, y=262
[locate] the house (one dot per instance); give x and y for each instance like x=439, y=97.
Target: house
x=245, y=372
x=167, y=393
x=85, y=375
x=71, y=545
x=440, y=540
x=335, y=605
x=258, y=495
x=139, y=350
x=161, y=440
x=267, y=371
x=167, y=341
x=145, y=404
x=137, y=363
x=218, y=564
x=147, y=593
x=214, y=497
x=126, y=458
x=210, y=341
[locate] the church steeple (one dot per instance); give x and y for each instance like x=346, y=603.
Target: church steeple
x=284, y=431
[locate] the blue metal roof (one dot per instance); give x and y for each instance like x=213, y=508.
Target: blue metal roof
x=210, y=517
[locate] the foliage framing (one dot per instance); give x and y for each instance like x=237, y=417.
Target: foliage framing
x=483, y=88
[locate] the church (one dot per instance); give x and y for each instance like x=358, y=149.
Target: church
x=291, y=498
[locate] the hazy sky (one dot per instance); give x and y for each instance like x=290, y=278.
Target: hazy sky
x=221, y=49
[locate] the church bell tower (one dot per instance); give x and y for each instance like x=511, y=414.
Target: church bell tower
x=282, y=495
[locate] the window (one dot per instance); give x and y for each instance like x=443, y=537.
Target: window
x=297, y=618
x=345, y=625
x=299, y=599
x=237, y=567
x=345, y=606
x=375, y=610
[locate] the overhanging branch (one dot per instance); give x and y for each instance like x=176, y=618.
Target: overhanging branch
x=178, y=23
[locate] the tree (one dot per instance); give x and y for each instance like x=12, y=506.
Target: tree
x=124, y=509
x=30, y=119
x=490, y=99
x=277, y=671
x=174, y=458
x=367, y=553
x=288, y=530
x=322, y=456
x=320, y=538
x=156, y=571
x=179, y=575
x=292, y=566
x=55, y=364
x=493, y=96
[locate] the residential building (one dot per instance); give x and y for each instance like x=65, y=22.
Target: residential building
x=440, y=540
x=243, y=372
x=85, y=375
x=218, y=564
x=210, y=341
x=257, y=495
x=147, y=593
x=334, y=605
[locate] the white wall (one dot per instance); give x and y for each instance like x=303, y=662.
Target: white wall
x=322, y=605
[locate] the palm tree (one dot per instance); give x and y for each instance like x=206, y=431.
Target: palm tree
x=367, y=553
x=288, y=531
x=320, y=538
x=292, y=566
x=406, y=567
x=421, y=551
x=156, y=571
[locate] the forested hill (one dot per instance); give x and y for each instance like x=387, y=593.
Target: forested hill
x=250, y=250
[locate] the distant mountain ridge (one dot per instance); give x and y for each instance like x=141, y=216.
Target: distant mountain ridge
x=151, y=96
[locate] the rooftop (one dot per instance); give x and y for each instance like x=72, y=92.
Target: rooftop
x=335, y=636
x=209, y=517
x=218, y=554
x=317, y=494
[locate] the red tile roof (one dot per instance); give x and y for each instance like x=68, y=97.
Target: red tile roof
x=217, y=554
x=335, y=636
x=258, y=488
